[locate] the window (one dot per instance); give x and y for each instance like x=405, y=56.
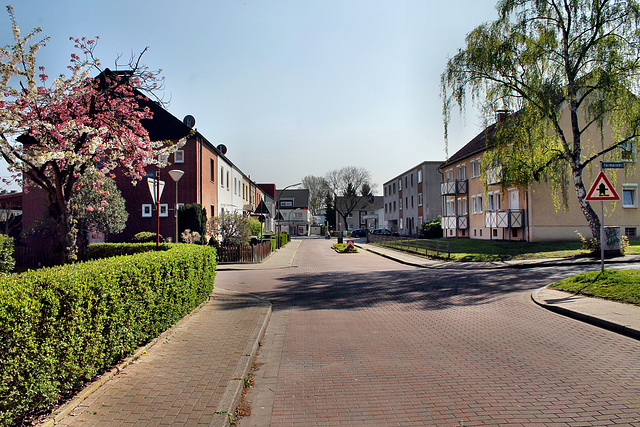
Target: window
x=419, y=199
x=400, y=185
x=227, y=180
x=450, y=207
x=462, y=172
x=628, y=151
x=235, y=185
x=394, y=188
x=419, y=176
x=629, y=195
x=163, y=158
x=221, y=176
x=212, y=212
x=412, y=180
x=406, y=202
x=630, y=232
x=411, y=201
x=385, y=208
x=405, y=182
x=146, y=210
x=394, y=205
x=400, y=204
x=297, y=214
x=479, y=203
x=462, y=206
x=449, y=175
x=164, y=209
x=474, y=205
x=178, y=156
x=212, y=165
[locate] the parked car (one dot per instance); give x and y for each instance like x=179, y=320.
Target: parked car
x=382, y=231
x=359, y=233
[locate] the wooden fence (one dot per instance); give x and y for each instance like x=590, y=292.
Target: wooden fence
x=35, y=256
x=243, y=253
x=418, y=246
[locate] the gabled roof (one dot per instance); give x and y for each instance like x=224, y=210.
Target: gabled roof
x=475, y=146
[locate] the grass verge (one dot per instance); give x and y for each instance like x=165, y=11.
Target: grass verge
x=615, y=285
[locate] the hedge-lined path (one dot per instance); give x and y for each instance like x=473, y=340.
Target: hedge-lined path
x=190, y=376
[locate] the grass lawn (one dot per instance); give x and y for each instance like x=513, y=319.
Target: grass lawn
x=616, y=285
x=495, y=250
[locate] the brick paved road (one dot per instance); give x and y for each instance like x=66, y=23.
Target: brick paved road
x=356, y=339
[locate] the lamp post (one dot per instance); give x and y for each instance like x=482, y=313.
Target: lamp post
x=276, y=213
x=176, y=174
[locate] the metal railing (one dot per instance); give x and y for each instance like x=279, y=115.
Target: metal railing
x=413, y=245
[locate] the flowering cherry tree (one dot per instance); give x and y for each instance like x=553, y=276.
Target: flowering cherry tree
x=54, y=131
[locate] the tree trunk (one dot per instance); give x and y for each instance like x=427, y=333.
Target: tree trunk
x=585, y=206
x=67, y=233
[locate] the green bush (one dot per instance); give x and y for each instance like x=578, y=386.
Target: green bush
x=431, y=230
x=193, y=217
x=61, y=327
x=146, y=237
x=7, y=262
x=107, y=250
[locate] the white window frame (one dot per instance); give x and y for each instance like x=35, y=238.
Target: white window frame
x=630, y=187
x=178, y=156
x=164, y=210
x=419, y=199
x=462, y=171
x=629, y=147
x=147, y=210
x=479, y=202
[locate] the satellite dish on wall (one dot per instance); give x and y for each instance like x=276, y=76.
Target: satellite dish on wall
x=222, y=148
x=189, y=121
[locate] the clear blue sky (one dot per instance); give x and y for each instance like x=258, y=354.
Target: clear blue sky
x=291, y=87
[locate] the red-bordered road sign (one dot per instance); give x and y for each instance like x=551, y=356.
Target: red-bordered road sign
x=602, y=190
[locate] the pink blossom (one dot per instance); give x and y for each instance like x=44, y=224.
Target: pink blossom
x=89, y=208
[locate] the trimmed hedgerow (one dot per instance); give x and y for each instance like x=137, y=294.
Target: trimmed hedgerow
x=7, y=261
x=60, y=327
x=106, y=250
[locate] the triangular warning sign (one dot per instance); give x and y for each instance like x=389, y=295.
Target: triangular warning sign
x=602, y=190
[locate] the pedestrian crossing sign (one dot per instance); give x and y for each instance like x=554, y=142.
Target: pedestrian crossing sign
x=602, y=190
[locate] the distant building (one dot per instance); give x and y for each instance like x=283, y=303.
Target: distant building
x=413, y=197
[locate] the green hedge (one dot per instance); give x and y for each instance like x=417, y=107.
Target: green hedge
x=7, y=261
x=106, y=250
x=60, y=327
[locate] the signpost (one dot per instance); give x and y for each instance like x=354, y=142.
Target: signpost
x=602, y=190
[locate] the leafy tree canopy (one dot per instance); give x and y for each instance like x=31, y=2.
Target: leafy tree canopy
x=569, y=70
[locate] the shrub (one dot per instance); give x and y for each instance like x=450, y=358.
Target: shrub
x=63, y=326
x=7, y=262
x=107, y=250
x=214, y=242
x=194, y=218
x=145, y=237
x=431, y=230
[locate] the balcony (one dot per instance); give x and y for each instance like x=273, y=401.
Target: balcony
x=513, y=218
x=460, y=222
x=449, y=188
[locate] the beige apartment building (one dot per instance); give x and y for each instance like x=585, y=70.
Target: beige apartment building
x=513, y=212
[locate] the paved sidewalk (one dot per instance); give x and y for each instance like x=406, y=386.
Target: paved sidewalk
x=191, y=375
x=615, y=316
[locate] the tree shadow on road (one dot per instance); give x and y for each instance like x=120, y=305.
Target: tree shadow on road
x=424, y=289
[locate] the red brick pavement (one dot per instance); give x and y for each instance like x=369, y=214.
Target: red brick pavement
x=356, y=339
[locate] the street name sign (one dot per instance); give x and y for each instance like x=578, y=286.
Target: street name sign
x=612, y=165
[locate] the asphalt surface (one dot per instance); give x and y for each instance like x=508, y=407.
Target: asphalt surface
x=361, y=339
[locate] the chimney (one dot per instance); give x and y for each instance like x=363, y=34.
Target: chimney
x=501, y=115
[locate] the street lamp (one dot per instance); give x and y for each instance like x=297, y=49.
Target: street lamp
x=276, y=213
x=176, y=174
